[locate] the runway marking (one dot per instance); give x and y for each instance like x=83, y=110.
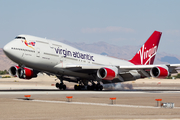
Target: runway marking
x=97, y=104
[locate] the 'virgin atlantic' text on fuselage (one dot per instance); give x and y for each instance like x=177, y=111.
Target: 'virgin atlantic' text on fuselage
x=74, y=54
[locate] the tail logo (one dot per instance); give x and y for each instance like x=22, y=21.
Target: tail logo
x=146, y=55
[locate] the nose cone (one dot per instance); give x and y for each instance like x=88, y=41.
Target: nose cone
x=6, y=49
x=11, y=52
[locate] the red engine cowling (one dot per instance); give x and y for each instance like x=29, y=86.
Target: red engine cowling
x=107, y=73
x=159, y=72
x=25, y=73
x=22, y=73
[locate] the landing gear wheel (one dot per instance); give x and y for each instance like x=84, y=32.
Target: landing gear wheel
x=98, y=87
x=64, y=87
x=57, y=85
x=76, y=87
x=89, y=87
x=79, y=87
x=101, y=88
x=61, y=86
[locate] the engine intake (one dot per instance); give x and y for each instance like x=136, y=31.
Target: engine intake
x=107, y=73
x=12, y=71
x=159, y=72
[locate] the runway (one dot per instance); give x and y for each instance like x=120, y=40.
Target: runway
x=47, y=102
x=58, y=92
x=96, y=104
x=88, y=105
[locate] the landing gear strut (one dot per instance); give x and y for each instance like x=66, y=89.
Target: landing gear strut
x=61, y=86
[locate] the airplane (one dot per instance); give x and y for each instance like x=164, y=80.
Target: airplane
x=89, y=70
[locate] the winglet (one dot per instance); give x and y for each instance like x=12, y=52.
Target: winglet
x=147, y=53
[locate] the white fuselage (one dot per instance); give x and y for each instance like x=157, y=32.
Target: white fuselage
x=46, y=55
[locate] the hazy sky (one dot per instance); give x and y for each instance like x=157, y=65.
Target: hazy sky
x=118, y=22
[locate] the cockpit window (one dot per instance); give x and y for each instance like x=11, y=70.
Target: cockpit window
x=18, y=37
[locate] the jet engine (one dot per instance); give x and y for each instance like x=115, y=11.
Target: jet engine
x=22, y=73
x=159, y=72
x=107, y=73
x=12, y=71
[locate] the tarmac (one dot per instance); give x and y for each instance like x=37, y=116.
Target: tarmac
x=134, y=100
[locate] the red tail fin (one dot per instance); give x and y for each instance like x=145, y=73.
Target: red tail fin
x=147, y=52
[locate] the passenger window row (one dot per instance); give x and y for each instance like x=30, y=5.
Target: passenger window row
x=23, y=49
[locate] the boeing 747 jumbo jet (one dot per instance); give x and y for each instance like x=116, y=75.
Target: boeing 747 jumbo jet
x=89, y=70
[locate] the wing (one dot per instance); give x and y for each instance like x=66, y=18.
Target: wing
x=145, y=70
x=124, y=73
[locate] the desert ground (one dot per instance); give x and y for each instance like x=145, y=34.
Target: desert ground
x=134, y=100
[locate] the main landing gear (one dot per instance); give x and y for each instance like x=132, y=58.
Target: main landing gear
x=61, y=86
x=97, y=87
x=83, y=85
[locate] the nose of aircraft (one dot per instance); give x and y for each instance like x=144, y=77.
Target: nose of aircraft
x=6, y=49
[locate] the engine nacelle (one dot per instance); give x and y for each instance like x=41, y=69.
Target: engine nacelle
x=22, y=73
x=25, y=73
x=12, y=71
x=159, y=72
x=107, y=73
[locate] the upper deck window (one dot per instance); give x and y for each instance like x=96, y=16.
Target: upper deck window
x=18, y=37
